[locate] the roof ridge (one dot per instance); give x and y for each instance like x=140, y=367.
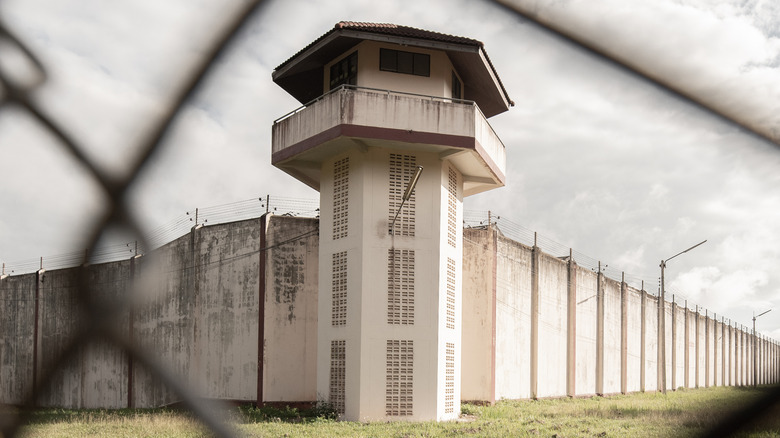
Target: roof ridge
x=410, y=31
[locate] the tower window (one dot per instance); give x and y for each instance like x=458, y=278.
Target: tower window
x=344, y=71
x=457, y=87
x=397, y=61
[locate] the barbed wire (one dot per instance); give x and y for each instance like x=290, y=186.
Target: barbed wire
x=170, y=231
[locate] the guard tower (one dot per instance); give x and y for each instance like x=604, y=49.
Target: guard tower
x=381, y=102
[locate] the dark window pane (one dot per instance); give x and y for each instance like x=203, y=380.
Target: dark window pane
x=422, y=64
x=388, y=60
x=406, y=62
x=344, y=71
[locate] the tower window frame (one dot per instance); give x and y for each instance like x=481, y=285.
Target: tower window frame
x=399, y=61
x=457, y=86
x=344, y=71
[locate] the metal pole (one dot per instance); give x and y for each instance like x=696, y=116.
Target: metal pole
x=755, y=351
x=662, y=320
x=662, y=330
x=755, y=367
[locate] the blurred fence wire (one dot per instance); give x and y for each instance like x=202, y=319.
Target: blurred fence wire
x=19, y=92
x=170, y=231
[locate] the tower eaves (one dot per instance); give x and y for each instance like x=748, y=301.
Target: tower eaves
x=301, y=75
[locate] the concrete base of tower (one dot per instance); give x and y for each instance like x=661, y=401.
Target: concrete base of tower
x=389, y=310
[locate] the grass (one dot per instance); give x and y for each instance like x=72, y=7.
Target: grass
x=679, y=413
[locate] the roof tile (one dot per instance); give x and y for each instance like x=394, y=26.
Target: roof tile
x=405, y=31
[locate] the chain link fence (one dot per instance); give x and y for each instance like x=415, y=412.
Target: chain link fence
x=19, y=92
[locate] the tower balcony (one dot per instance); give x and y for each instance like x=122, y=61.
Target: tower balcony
x=351, y=116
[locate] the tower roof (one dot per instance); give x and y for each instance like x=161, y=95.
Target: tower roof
x=301, y=75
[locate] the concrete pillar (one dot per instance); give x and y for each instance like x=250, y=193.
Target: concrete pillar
x=737, y=356
x=706, y=349
x=599, y=333
x=696, y=359
x=748, y=373
x=745, y=357
x=737, y=359
x=687, y=353
x=130, y=336
x=642, y=353
x=723, y=346
x=714, y=349
x=571, y=326
x=535, y=321
x=674, y=344
x=623, y=336
x=262, y=265
x=766, y=360
x=37, y=338
x=660, y=368
x=762, y=355
x=742, y=357
x=730, y=355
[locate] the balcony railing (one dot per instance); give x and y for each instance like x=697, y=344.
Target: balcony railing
x=351, y=105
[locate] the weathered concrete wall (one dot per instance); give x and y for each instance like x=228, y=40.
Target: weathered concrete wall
x=701, y=379
x=207, y=301
x=94, y=375
x=553, y=280
x=669, y=343
x=59, y=316
x=513, y=320
x=690, y=371
x=197, y=311
x=104, y=365
x=717, y=341
x=612, y=336
x=290, y=332
x=585, y=372
x=477, y=381
x=17, y=321
x=634, y=339
x=651, y=343
x=679, y=345
x=227, y=284
x=164, y=322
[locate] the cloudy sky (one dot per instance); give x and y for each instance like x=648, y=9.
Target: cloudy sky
x=598, y=159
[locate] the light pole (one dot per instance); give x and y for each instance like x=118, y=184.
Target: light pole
x=662, y=320
x=755, y=350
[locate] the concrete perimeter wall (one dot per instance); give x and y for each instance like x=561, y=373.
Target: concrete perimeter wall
x=560, y=330
x=197, y=310
x=231, y=309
